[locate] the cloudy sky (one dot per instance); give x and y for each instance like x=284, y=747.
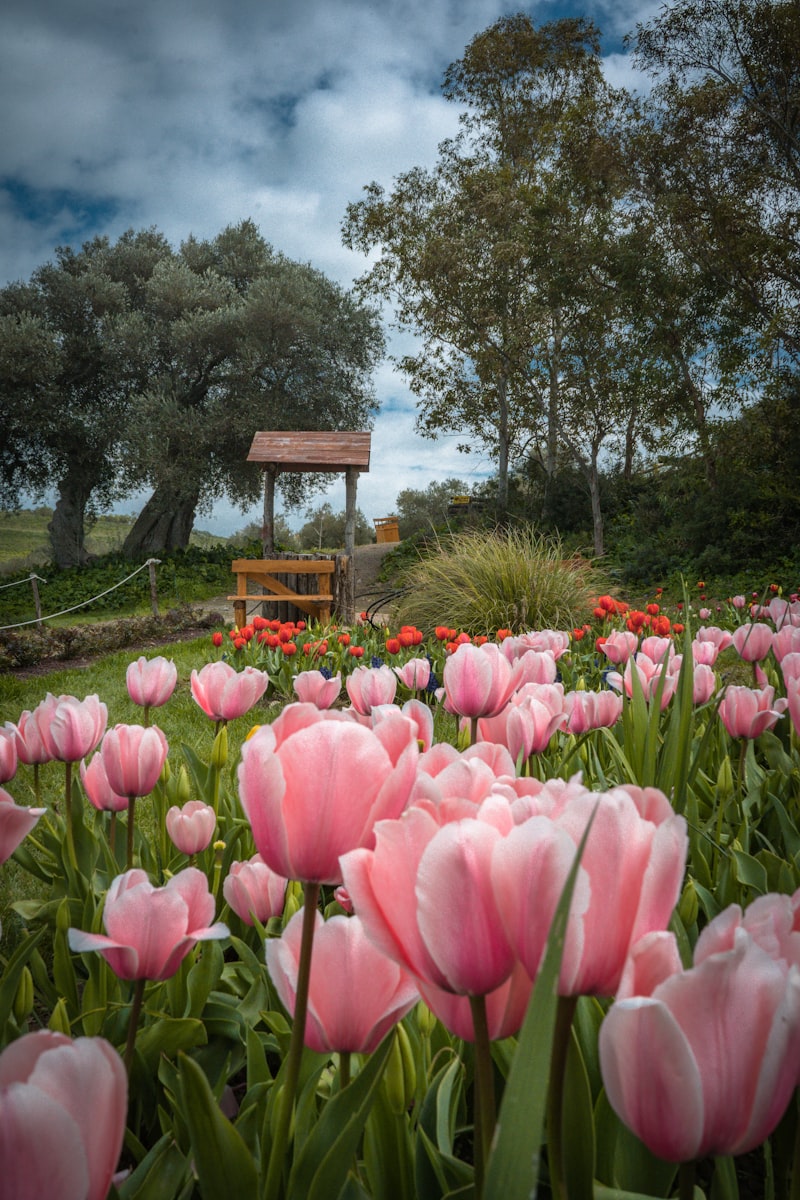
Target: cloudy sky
x=194, y=114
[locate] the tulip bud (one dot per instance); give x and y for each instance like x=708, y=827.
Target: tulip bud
x=219, y=753
x=426, y=1020
x=400, y=1076
x=725, y=778
x=23, y=1001
x=59, y=1018
x=293, y=903
x=688, y=905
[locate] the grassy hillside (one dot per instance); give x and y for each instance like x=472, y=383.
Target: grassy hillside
x=24, y=541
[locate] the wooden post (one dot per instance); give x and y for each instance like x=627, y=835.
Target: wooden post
x=152, y=563
x=268, y=526
x=37, y=604
x=350, y=483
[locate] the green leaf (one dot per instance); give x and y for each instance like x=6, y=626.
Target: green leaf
x=224, y=1165
x=578, y=1126
x=204, y=975
x=12, y=973
x=162, y=1172
x=322, y=1165
x=169, y=1035
x=750, y=871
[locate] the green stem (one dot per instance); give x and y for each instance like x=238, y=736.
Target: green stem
x=129, y=856
x=285, y=1101
x=555, y=1100
x=794, y=1187
x=133, y=1023
x=73, y=858
x=686, y=1180
x=485, y=1115
x=473, y=730
x=344, y=1069
x=37, y=785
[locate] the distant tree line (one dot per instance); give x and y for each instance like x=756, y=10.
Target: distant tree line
x=132, y=365
x=601, y=283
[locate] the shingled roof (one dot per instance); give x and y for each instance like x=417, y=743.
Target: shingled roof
x=306, y=451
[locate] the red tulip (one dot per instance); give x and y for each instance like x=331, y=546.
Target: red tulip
x=151, y=930
x=313, y=784
x=224, y=693
x=372, y=993
x=151, y=682
x=253, y=889
x=16, y=822
x=63, y=1107
x=191, y=828
x=133, y=758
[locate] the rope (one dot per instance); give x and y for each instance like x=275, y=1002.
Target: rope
x=83, y=603
x=17, y=582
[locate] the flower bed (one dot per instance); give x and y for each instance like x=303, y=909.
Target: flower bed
x=461, y=899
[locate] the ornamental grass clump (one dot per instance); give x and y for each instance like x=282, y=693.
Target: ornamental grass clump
x=511, y=579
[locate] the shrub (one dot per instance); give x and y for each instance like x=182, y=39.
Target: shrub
x=482, y=581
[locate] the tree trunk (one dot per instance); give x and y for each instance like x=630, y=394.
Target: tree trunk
x=67, y=527
x=597, y=514
x=165, y=523
x=502, y=450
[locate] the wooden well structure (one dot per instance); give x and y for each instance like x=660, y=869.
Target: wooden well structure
x=315, y=453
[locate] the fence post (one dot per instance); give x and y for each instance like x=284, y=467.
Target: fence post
x=152, y=563
x=36, y=601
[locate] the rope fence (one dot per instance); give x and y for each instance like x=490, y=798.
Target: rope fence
x=150, y=565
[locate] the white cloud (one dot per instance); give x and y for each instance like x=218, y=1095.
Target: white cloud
x=193, y=114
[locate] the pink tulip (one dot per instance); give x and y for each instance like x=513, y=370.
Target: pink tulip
x=536, y=667
x=704, y=613
x=478, y=680
x=659, y=649
x=133, y=758
x=63, y=1107
x=634, y=861
x=151, y=930
x=526, y=724
x=371, y=995
x=368, y=687
x=414, y=674
x=620, y=645
x=312, y=687
x=711, y=633
x=313, y=784
x=748, y=712
x=786, y=641
x=74, y=728
x=704, y=653
x=739, y=601
x=16, y=822
x=704, y=684
x=555, y=641
x=151, y=682
x=677, y=1069
x=591, y=710
x=753, y=642
x=98, y=789
x=224, y=693
x=8, y=752
x=191, y=828
x=252, y=889
x=31, y=746
x=650, y=674
x=426, y=899
x=505, y=1007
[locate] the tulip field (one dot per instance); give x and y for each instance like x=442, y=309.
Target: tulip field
x=408, y=916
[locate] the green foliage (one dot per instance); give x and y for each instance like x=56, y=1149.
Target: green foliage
x=422, y=509
x=508, y=579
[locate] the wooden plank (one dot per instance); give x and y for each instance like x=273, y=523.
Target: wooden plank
x=294, y=450
x=284, y=566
